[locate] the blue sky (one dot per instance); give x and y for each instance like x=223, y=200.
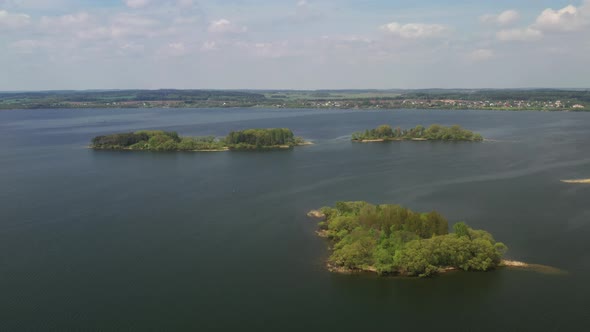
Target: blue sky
x=293, y=44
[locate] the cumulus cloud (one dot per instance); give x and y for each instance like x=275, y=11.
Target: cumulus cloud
x=569, y=18
x=505, y=18
x=13, y=21
x=136, y=4
x=225, y=26
x=416, y=30
x=527, y=34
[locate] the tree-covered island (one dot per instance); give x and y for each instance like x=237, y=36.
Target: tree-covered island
x=158, y=140
x=393, y=240
x=419, y=133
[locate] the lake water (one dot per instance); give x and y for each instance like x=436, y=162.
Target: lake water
x=99, y=240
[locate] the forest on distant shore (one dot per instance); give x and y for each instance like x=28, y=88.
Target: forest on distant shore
x=492, y=99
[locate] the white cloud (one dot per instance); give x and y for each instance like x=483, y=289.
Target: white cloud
x=13, y=21
x=526, y=34
x=225, y=26
x=136, y=4
x=505, y=18
x=569, y=18
x=416, y=30
x=481, y=54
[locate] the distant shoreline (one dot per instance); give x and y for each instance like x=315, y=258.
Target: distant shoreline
x=573, y=100
x=262, y=106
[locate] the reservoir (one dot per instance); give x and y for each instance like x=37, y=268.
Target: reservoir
x=220, y=241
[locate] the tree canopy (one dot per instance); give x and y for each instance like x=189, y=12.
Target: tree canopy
x=262, y=138
x=434, y=132
x=392, y=239
x=158, y=140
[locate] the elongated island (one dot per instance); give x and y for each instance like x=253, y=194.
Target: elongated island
x=159, y=140
x=419, y=133
x=393, y=240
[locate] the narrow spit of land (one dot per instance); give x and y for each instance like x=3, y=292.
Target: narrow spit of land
x=578, y=181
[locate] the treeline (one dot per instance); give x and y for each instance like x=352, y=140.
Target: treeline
x=54, y=97
x=262, y=138
x=500, y=95
x=158, y=140
x=434, y=132
x=391, y=239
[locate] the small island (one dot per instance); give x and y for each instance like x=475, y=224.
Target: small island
x=159, y=140
x=419, y=133
x=393, y=240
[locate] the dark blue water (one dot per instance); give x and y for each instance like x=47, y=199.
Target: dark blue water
x=99, y=240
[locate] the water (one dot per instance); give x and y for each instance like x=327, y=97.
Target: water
x=99, y=240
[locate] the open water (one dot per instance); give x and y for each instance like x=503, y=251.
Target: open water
x=99, y=240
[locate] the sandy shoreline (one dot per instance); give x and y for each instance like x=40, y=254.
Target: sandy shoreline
x=316, y=214
x=579, y=181
x=504, y=264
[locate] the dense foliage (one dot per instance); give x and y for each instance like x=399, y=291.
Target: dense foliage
x=262, y=138
x=156, y=140
x=434, y=132
x=391, y=239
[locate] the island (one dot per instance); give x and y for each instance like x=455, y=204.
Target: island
x=393, y=240
x=419, y=133
x=159, y=140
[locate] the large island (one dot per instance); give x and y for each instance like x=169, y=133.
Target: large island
x=393, y=240
x=158, y=140
x=419, y=133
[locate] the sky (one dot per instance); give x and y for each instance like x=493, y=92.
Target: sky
x=293, y=44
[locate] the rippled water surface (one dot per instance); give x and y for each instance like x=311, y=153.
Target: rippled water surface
x=98, y=240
